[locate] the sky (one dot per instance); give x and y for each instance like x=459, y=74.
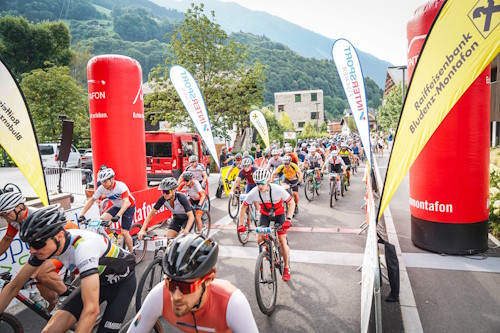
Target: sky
x=374, y=26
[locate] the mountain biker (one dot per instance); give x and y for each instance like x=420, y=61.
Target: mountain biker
x=236, y=164
x=123, y=203
x=177, y=203
x=107, y=272
x=196, y=196
x=198, y=171
x=14, y=210
x=346, y=155
x=313, y=161
x=289, y=152
x=293, y=176
x=191, y=298
x=272, y=199
x=275, y=161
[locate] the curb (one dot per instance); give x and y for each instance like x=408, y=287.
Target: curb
x=409, y=311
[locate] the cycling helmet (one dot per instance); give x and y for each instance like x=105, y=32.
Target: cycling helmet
x=266, y=150
x=105, y=174
x=288, y=149
x=287, y=159
x=304, y=145
x=312, y=149
x=190, y=256
x=246, y=162
x=335, y=153
x=245, y=154
x=343, y=145
x=168, y=183
x=275, y=152
x=238, y=156
x=9, y=201
x=261, y=175
x=193, y=158
x=187, y=176
x=42, y=224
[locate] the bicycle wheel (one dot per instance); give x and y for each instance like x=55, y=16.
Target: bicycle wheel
x=233, y=206
x=10, y=324
x=309, y=189
x=332, y=191
x=318, y=186
x=156, y=328
x=244, y=236
x=152, y=275
x=140, y=246
x=342, y=185
x=206, y=222
x=266, y=285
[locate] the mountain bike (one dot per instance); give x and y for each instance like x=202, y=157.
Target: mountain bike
x=269, y=260
x=233, y=205
x=335, y=179
x=312, y=184
x=251, y=217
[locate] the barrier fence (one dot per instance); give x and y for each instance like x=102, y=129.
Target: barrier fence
x=67, y=180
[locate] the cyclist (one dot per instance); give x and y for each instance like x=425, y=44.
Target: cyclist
x=196, y=196
x=335, y=164
x=289, y=152
x=293, y=176
x=236, y=164
x=246, y=154
x=245, y=173
x=198, y=171
x=275, y=161
x=14, y=210
x=123, y=203
x=177, y=203
x=313, y=161
x=107, y=272
x=272, y=199
x=355, y=151
x=346, y=155
x=191, y=298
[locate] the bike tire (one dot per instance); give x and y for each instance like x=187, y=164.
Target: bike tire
x=152, y=275
x=266, y=282
x=157, y=328
x=233, y=206
x=309, y=190
x=244, y=236
x=332, y=191
x=206, y=222
x=318, y=187
x=342, y=186
x=139, y=254
x=9, y=321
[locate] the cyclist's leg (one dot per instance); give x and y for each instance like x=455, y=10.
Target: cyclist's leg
x=118, y=297
x=175, y=226
x=197, y=214
x=66, y=317
x=285, y=250
x=264, y=222
x=49, y=283
x=127, y=219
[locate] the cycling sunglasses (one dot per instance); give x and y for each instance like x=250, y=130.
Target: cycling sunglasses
x=260, y=183
x=167, y=192
x=185, y=288
x=37, y=245
x=286, y=163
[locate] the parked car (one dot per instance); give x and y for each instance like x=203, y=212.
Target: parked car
x=49, y=152
x=87, y=159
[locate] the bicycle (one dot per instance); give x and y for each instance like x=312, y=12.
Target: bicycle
x=335, y=179
x=270, y=258
x=206, y=220
x=114, y=235
x=251, y=217
x=312, y=184
x=233, y=205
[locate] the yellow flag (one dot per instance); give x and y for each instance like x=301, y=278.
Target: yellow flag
x=464, y=39
x=17, y=135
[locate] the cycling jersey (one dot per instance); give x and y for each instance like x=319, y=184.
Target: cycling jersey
x=355, y=150
x=294, y=157
x=116, y=194
x=313, y=161
x=274, y=163
x=335, y=164
x=290, y=173
x=194, y=192
x=181, y=204
x=279, y=196
x=197, y=171
x=247, y=175
x=226, y=310
x=92, y=253
x=345, y=154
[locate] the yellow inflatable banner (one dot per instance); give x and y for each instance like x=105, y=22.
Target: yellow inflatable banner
x=464, y=39
x=17, y=134
x=232, y=176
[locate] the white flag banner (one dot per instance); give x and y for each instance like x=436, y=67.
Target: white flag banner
x=191, y=96
x=347, y=62
x=259, y=121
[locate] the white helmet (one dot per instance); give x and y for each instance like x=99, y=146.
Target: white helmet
x=275, y=152
x=245, y=154
x=246, y=162
x=335, y=153
x=105, y=174
x=343, y=145
x=288, y=149
x=9, y=201
x=261, y=175
x=312, y=149
x=193, y=158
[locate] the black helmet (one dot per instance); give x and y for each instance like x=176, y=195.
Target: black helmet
x=188, y=175
x=190, y=256
x=168, y=183
x=42, y=224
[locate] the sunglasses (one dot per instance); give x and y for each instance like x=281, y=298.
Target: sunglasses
x=185, y=288
x=286, y=164
x=37, y=245
x=167, y=191
x=260, y=183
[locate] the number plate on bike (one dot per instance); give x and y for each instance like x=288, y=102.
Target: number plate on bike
x=94, y=224
x=161, y=243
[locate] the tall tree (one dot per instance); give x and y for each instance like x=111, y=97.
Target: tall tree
x=216, y=62
x=388, y=114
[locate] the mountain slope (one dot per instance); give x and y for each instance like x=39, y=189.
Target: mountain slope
x=233, y=18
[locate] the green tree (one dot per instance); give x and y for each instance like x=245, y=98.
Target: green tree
x=388, y=114
x=78, y=66
x=216, y=62
x=25, y=46
x=286, y=123
x=323, y=127
x=352, y=124
x=52, y=92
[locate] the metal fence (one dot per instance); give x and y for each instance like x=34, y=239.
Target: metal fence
x=67, y=180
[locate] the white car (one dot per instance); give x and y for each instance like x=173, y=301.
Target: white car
x=49, y=152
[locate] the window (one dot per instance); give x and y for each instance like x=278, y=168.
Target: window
x=281, y=108
x=314, y=115
x=195, y=148
x=297, y=98
x=159, y=149
x=494, y=74
x=46, y=150
x=302, y=124
x=187, y=149
x=314, y=97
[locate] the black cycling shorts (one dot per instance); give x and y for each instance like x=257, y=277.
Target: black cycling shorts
x=337, y=168
x=265, y=220
x=178, y=222
x=294, y=184
x=116, y=295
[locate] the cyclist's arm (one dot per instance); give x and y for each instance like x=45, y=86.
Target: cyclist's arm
x=126, y=204
x=274, y=173
x=299, y=173
x=155, y=208
x=228, y=172
x=239, y=316
x=90, y=299
x=189, y=212
x=236, y=184
x=5, y=243
x=11, y=289
x=87, y=206
x=151, y=310
x=205, y=178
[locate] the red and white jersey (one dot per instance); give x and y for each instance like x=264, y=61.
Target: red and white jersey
x=194, y=192
x=116, y=194
x=279, y=195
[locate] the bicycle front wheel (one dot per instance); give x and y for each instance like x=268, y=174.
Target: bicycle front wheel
x=266, y=284
x=309, y=189
x=233, y=206
x=153, y=275
x=10, y=324
x=206, y=222
x=244, y=236
x=140, y=246
x=333, y=190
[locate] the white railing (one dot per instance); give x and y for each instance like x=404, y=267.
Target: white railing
x=67, y=180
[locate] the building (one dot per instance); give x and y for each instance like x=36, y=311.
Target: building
x=301, y=107
x=334, y=127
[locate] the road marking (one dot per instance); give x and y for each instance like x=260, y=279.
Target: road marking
x=299, y=229
x=455, y=263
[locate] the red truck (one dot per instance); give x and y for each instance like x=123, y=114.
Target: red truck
x=167, y=153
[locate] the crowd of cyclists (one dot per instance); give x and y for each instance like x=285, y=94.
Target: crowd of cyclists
x=190, y=297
